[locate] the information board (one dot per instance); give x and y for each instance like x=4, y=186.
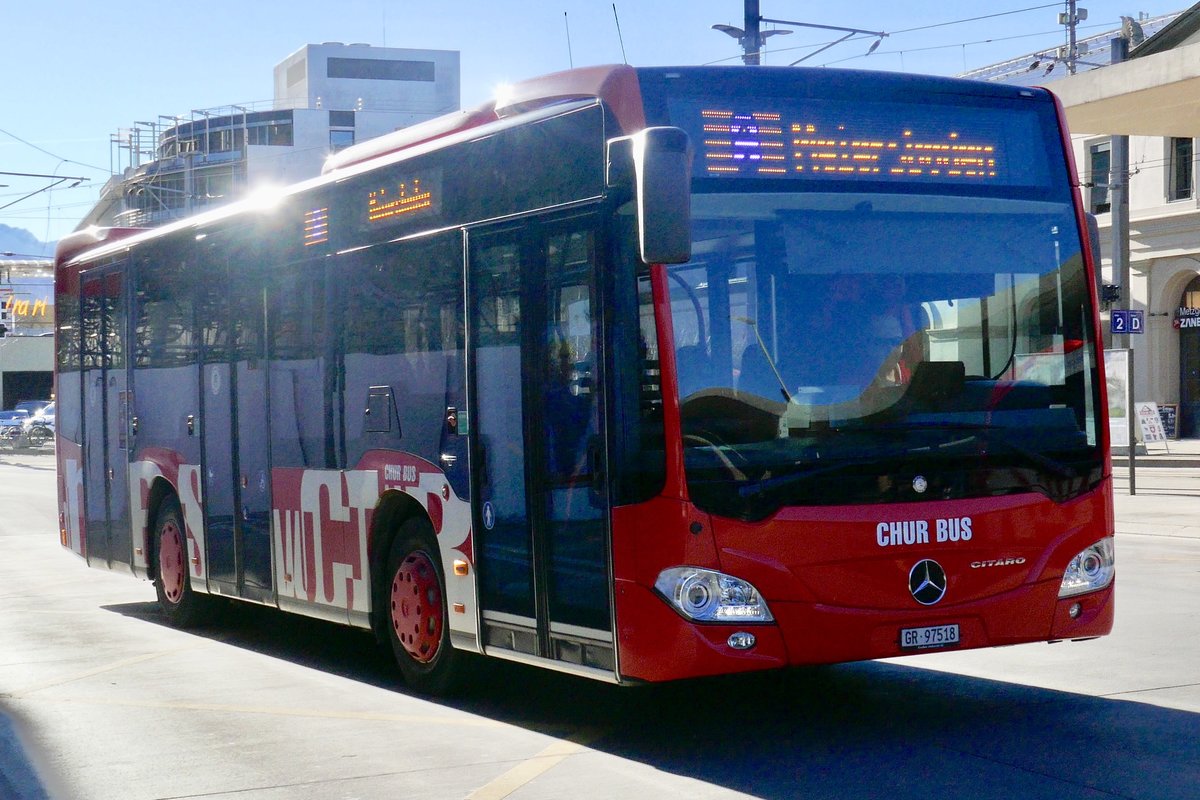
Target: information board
x=1169, y=412
x=1116, y=368
x=1150, y=423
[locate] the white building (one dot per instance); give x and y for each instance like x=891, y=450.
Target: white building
x=327, y=97
x=1153, y=98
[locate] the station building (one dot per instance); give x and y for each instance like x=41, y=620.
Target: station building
x=27, y=328
x=326, y=97
x=1152, y=96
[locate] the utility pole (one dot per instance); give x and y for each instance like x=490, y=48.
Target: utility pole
x=1071, y=19
x=751, y=36
x=752, y=41
x=1118, y=188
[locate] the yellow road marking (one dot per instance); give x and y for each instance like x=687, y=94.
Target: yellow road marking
x=125, y=662
x=504, y=785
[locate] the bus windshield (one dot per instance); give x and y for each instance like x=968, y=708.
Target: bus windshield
x=846, y=347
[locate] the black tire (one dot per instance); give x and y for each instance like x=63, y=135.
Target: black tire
x=414, y=613
x=183, y=607
x=39, y=435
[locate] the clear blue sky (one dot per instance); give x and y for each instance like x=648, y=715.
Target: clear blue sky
x=73, y=72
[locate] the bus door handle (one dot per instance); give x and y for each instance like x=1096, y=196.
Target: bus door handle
x=133, y=425
x=191, y=424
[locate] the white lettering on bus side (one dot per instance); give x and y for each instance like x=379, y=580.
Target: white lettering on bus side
x=142, y=475
x=916, y=531
x=190, y=497
x=72, y=506
x=362, y=493
x=314, y=485
x=320, y=534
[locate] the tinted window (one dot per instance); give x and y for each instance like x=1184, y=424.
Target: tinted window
x=377, y=69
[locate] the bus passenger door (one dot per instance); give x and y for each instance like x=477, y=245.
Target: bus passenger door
x=105, y=418
x=541, y=510
x=233, y=412
x=216, y=429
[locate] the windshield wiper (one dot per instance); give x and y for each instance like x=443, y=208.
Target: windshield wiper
x=768, y=484
x=1058, y=468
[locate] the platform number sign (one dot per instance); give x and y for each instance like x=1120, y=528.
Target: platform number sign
x=1126, y=321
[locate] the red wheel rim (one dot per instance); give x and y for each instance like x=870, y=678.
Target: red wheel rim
x=417, y=607
x=170, y=562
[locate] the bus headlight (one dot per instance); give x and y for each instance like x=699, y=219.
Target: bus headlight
x=1090, y=570
x=705, y=595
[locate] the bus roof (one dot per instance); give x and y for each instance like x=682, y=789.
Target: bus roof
x=618, y=86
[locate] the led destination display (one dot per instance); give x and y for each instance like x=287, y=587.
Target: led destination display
x=404, y=196
x=831, y=139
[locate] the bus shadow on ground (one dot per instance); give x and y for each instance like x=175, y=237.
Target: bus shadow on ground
x=862, y=730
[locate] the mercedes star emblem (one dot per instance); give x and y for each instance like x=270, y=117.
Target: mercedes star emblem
x=920, y=484
x=927, y=582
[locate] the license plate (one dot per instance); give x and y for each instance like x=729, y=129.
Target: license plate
x=932, y=636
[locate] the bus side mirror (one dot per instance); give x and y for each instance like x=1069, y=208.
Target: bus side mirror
x=661, y=161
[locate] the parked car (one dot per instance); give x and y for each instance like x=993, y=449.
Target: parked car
x=38, y=429
x=12, y=424
x=32, y=406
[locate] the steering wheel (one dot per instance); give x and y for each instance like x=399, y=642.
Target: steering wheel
x=712, y=444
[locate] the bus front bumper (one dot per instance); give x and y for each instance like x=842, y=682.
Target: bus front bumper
x=658, y=644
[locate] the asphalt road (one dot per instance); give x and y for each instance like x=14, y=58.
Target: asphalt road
x=100, y=700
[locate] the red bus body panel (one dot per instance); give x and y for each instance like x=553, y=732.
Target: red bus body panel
x=837, y=594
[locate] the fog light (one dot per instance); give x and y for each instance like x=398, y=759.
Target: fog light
x=1075, y=611
x=742, y=640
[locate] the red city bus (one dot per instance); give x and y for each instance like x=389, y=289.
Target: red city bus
x=639, y=374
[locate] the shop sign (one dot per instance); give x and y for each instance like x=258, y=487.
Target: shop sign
x=1187, y=318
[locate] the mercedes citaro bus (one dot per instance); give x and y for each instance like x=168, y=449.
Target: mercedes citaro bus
x=639, y=374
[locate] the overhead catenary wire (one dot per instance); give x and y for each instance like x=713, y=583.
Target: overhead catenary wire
x=44, y=151
x=956, y=44
x=822, y=45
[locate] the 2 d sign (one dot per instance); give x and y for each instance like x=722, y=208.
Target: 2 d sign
x=1127, y=321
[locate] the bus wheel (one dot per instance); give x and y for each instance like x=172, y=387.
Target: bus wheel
x=416, y=615
x=182, y=607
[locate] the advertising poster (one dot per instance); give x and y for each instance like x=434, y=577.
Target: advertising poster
x=1116, y=369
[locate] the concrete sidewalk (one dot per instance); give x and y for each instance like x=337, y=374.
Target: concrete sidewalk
x=1165, y=504
x=1153, y=510
x=1173, y=453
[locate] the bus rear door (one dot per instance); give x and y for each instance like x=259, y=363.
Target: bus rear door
x=105, y=417
x=234, y=413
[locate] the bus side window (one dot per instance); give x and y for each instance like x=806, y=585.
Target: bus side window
x=296, y=310
x=571, y=411
x=402, y=345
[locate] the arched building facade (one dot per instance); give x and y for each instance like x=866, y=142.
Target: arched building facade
x=1153, y=98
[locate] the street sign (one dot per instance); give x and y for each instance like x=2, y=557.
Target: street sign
x=1127, y=321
